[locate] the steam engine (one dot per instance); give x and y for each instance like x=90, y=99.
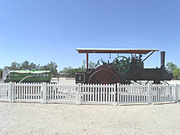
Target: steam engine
x=124, y=70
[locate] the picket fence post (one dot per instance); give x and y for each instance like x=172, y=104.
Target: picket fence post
x=115, y=102
x=78, y=94
x=149, y=87
x=11, y=92
x=117, y=90
x=44, y=86
x=176, y=93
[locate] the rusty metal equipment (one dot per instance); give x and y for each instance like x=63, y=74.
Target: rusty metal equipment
x=122, y=69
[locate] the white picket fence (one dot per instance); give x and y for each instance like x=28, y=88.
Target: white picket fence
x=26, y=92
x=97, y=94
x=147, y=93
x=88, y=93
x=57, y=93
x=4, y=89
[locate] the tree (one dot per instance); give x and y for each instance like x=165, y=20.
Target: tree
x=52, y=66
x=171, y=65
x=14, y=65
x=84, y=64
x=25, y=65
x=176, y=72
x=1, y=73
x=33, y=66
x=92, y=65
x=69, y=71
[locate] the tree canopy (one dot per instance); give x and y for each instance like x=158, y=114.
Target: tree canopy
x=176, y=73
x=175, y=70
x=69, y=71
x=171, y=66
x=26, y=65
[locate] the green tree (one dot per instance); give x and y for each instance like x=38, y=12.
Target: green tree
x=52, y=66
x=69, y=71
x=171, y=66
x=14, y=65
x=33, y=66
x=176, y=72
x=84, y=64
x=25, y=65
x=92, y=65
x=0, y=73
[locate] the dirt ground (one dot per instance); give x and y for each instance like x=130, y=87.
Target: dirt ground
x=65, y=119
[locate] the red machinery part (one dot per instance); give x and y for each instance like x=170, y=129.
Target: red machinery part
x=104, y=75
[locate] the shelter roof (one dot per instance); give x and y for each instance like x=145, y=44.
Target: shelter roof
x=115, y=50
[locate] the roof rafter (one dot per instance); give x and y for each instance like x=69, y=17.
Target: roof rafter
x=113, y=50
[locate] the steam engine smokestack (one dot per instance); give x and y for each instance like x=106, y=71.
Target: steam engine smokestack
x=162, y=59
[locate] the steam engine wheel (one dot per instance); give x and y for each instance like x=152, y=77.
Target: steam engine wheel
x=104, y=75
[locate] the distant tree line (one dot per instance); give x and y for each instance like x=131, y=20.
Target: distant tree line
x=175, y=70
x=69, y=71
x=52, y=66
x=26, y=65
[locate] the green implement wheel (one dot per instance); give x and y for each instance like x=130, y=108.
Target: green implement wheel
x=121, y=64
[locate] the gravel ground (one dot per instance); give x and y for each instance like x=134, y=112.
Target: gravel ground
x=62, y=119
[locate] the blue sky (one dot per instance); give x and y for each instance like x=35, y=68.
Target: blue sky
x=43, y=30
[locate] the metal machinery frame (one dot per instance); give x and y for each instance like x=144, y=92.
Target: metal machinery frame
x=122, y=69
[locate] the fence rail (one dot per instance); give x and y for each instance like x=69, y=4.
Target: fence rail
x=88, y=93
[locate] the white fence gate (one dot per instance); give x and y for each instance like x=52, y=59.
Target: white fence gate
x=88, y=93
x=146, y=93
x=4, y=88
x=26, y=92
x=99, y=94
x=161, y=93
x=60, y=93
x=132, y=94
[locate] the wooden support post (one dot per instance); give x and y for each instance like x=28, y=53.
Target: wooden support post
x=87, y=60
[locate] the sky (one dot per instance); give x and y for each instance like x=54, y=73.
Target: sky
x=41, y=31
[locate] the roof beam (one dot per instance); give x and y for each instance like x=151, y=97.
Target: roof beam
x=111, y=50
